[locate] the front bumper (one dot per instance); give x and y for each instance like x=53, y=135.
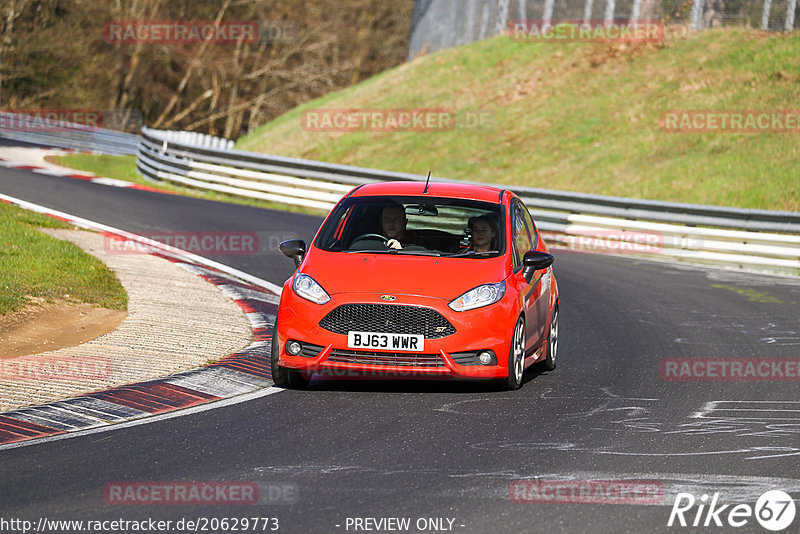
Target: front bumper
x=327, y=353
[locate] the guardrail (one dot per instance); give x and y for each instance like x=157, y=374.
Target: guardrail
x=196, y=139
x=750, y=239
x=68, y=135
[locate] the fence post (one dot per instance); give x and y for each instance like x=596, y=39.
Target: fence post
x=765, y=14
x=697, y=15
x=790, y=7
x=502, y=17
x=637, y=8
x=609, y=17
x=547, y=16
x=471, y=7
x=484, y=21
x=587, y=11
x=455, y=35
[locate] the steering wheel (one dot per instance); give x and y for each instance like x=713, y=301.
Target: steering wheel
x=383, y=238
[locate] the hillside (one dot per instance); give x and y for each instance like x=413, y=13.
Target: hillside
x=580, y=117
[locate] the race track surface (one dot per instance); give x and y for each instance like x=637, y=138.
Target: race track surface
x=420, y=450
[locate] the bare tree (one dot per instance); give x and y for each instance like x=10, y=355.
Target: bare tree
x=55, y=54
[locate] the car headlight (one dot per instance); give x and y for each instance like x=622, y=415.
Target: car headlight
x=309, y=289
x=479, y=296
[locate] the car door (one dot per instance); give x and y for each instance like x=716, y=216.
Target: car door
x=541, y=285
x=522, y=243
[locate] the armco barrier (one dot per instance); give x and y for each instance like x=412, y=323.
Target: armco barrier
x=69, y=135
x=748, y=239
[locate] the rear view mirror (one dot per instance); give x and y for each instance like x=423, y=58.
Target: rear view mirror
x=422, y=209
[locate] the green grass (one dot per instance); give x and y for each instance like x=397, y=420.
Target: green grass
x=119, y=167
x=33, y=264
x=124, y=168
x=581, y=117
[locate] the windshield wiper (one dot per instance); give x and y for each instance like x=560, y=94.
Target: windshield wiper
x=473, y=253
x=417, y=252
x=395, y=251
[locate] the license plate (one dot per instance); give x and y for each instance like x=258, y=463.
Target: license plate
x=386, y=341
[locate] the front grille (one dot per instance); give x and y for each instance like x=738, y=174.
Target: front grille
x=310, y=351
x=386, y=358
x=389, y=318
x=465, y=358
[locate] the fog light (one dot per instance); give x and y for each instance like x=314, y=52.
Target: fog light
x=485, y=357
x=294, y=347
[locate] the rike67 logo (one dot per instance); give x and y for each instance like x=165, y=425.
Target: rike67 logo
x=774, y=510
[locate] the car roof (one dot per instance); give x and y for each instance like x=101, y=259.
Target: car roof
x=482, y=193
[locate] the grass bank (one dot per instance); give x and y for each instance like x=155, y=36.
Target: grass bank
x=580, y=117
x=36, y=266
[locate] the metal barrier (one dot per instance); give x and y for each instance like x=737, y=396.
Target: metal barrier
x=68, y=135
x=743, y=238
x=750, y=239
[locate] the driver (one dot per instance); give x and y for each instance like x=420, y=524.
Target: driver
x=393, y=224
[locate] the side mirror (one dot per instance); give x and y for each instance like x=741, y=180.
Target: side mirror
x=295, y=249
x=534, y=261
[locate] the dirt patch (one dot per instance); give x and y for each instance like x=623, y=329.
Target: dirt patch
x=49, y=326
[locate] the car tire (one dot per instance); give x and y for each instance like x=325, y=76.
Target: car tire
x=282, y=376
x=549, y=362
x=516, y=357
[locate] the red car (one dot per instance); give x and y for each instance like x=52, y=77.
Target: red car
x=437, y=280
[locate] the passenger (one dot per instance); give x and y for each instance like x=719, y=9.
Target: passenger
x=483, y=236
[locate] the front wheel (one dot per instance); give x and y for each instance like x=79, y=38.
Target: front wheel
x=516, y=357
x=552, y=342
x=281, y=376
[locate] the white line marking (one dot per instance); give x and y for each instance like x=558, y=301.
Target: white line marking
x=146, y=419
x=172, y=251
x=220, y=382
x=112, y=181
x=55, y=172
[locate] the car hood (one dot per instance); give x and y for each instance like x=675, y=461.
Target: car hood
x=445, y=278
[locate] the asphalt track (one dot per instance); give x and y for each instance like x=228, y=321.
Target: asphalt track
x=410, y=449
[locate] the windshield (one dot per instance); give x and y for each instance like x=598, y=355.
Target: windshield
x=415, y=225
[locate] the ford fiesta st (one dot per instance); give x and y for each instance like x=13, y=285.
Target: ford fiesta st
x=434, y=280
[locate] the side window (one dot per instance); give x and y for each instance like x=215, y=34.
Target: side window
x=531, y=226
x=522, y=236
